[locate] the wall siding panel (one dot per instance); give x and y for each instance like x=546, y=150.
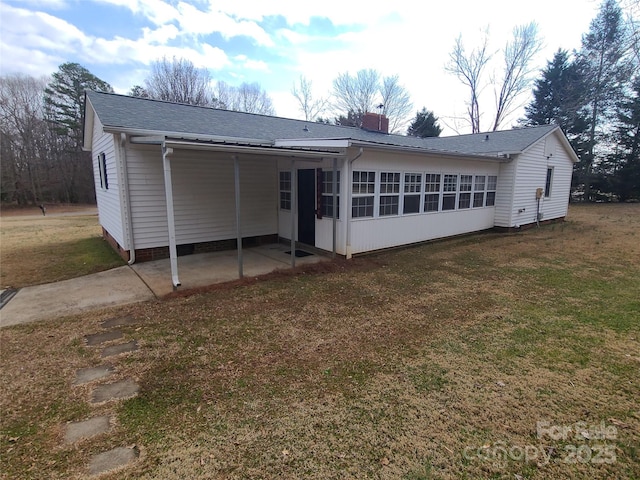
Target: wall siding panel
x=532, y=174
x=204, y=197
x=108, y=200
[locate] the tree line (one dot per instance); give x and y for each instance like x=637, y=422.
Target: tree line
x=593, y=94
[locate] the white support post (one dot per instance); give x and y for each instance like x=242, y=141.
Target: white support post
x=294, y=204
x=236, y=173
x=171, y=224
x=334, y=188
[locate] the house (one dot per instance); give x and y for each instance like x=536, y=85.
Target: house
x=175, y=179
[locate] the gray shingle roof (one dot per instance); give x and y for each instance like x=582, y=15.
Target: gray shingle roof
x=131, y=113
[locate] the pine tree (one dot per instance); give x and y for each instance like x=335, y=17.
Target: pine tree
x=603, y=64
x=625, y=161
x=558, y=99
x=64, y=109
x=424, y=125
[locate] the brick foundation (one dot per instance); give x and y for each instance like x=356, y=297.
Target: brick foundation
x=115, y=245
x=157, y=253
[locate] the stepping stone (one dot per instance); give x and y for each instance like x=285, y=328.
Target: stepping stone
x=112, y=459
x=86, y=375
x=131, y=346
x=86, y=429
x=98, y=338
x=120, y=322
x=115, y=391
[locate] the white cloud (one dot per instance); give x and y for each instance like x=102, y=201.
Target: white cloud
x=198, y=22
x=160, y=35
x=157, y=11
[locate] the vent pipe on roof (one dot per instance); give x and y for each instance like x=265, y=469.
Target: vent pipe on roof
x=486, y=137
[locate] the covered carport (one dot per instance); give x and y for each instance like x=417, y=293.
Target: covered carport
x=235, y=152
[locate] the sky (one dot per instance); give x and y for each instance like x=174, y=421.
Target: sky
x=274, y=42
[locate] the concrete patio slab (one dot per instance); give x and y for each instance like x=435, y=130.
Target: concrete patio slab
x=87, y=428
x=112, y=459
x=204, y=269
x=118, y=286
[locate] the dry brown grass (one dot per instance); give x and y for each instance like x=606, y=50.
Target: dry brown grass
x=391, y=366
x=66, y=243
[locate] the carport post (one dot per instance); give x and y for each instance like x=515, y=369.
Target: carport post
x=334, y=187
x=294, y=203
x=236, y=174
x=171, y=223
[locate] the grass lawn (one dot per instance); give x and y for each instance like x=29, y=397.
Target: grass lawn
x=36, y=249
x=486, y=356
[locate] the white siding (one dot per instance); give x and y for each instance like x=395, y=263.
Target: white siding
x=504, y=194
x=531, y=175
x=109, y=208
x=382, y=232
x=204, y=198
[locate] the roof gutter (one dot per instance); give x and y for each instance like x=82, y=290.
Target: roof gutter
x=438, y=153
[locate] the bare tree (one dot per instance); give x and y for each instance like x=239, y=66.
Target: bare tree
x=310, y=107
x=251, y=98
x=354, y=95
x=23, y=132
x=247, y=97
x=358, y=93
x=517, y=75
x=468, y=68
x=397, y=104
x=515, y=79
x=178, y=80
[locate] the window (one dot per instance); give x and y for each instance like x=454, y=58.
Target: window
x=363, y=188
x=362, y=207
x=450, y=187
x=389, y=184
x=492, y=182
x=478, y=191
x=102, y=167
x=547, y=183
x=412, y=188
x=285, y=190
x=432, y=192
x=466, y=182
x=327, y=194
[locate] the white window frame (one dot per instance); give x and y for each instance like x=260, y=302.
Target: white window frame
x=327, y=193
x=447, y=193
x=429, y=193
x=478, y=189
x=102, y=168
x=357, y=195
x=492, y=187
x=411, y=187
x=284, y=190
x=548, y=183
x=465, y=187
x=389, y=189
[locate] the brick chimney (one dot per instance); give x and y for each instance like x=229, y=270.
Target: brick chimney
x=375, y=122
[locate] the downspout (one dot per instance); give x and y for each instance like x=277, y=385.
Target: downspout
x=125, y=184
x=349, y=200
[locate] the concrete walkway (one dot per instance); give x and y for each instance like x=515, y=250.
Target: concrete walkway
x=141, y=282
x=118, y=286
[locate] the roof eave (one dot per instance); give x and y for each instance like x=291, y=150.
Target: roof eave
x=432, y=152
